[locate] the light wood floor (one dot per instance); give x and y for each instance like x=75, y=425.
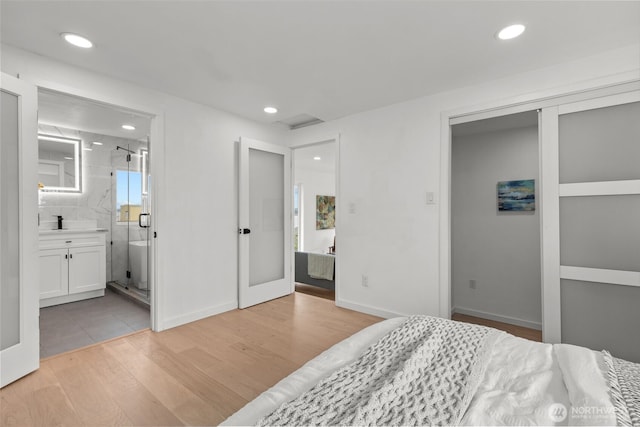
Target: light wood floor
x=196, y=374
x=519, y=331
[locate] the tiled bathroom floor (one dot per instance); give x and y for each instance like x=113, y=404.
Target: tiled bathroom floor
x=69, y=326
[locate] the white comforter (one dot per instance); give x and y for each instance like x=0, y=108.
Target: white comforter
x=526, y=383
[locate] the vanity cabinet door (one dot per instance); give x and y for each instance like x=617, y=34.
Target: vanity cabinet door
x=54, y=272
x=87, y=269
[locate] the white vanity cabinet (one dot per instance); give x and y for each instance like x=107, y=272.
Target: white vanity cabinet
x=72, y=266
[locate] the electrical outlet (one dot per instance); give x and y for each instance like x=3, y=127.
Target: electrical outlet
x=472, y=283
x=365, y=281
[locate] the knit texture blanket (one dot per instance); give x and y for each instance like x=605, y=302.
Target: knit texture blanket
x=624, y=388
x=425, y=372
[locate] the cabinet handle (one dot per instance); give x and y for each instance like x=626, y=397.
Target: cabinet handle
x=66, y=256
x=70, y=255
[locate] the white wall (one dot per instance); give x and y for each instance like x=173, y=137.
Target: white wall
x=196, y=219
x=499, y=250
x=315, y=183
x=389, y=159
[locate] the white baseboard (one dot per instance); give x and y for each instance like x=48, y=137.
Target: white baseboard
x=498, y=318
x=172, y=322
x=374, y=311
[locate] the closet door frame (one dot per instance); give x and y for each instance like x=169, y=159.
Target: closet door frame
x=549, y=107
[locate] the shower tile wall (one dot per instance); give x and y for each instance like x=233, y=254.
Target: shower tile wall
x=97, y=201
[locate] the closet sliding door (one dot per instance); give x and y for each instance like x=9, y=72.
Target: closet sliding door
x=599, y=223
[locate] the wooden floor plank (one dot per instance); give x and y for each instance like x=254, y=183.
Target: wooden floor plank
x=137, y=402
x=195, y=374
x=166, y=388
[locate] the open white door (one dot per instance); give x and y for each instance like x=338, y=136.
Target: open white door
x=264, y=223
x=19, y=308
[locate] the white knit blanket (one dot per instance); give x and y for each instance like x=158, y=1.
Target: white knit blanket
x=624, y=388
x=425, y=372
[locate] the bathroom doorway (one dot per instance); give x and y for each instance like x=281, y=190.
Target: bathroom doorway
x=104, y=189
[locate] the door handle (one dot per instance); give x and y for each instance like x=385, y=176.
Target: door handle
x=146, y=221
x=244, y=230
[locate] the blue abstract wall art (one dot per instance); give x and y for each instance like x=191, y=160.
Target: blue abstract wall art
x=515, y=196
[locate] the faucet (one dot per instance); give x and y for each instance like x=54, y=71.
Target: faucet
x=59, y=221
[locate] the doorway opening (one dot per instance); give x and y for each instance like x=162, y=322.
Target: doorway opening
x=109, y=206
x=314, y=213
x=495, y=221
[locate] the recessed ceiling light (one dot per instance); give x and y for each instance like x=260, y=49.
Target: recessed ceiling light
x=270, y=110
x=128, y=127
x=88, y=149
x=77, y=40
x=511, y=32
x=96, y=143
x=317, y=158
x=68, y=158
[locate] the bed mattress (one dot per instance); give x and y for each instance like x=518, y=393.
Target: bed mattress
x=525, y=382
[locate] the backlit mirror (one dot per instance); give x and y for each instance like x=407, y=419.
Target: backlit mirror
x=59, y=163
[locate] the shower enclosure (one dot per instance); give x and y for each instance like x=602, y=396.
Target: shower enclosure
x=130, y=226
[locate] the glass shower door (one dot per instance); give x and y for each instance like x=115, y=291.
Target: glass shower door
x=130, y=228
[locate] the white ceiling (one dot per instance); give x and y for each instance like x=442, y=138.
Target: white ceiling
x=327, y=59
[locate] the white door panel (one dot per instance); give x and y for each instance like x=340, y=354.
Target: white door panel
x=19, y=292
x=264, y=222
x=591, y=205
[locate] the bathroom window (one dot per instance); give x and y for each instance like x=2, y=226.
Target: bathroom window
x=128, y=196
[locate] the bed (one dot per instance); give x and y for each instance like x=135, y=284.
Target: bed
x=303, y=274
x=424, y=370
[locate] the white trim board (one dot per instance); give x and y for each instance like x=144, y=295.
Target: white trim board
x=498, y=318
x=593, y=96
x=600, y=275
x=367, y=309
x=602, y=188
x=605, y=101
x=174, y=321
x=550, y=225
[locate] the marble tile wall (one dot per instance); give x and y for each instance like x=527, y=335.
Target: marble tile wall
x=97, y=201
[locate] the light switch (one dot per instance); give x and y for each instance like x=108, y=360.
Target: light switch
x=431, y=198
